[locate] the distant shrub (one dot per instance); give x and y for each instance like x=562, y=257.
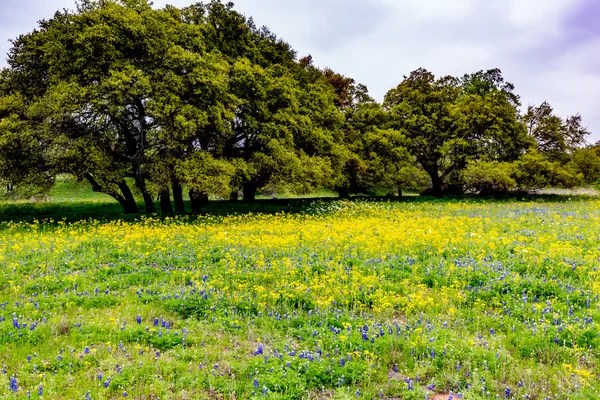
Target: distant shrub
x=533, y=171
x=489, y=177
x=587, y=162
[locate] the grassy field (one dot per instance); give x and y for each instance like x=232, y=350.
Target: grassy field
x=331, y=299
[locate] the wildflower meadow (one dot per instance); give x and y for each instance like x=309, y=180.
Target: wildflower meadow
x=466, y=299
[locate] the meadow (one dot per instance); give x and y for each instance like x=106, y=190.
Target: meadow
x=367, y=299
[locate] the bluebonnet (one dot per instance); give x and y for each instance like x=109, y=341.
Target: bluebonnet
x=14, y=386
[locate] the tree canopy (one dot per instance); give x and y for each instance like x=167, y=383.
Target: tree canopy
x=149, y=101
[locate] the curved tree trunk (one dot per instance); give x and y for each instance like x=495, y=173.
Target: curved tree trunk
x=131, y=206
x=128, y=208
x=126, y=199
x=140, y=182
x=149, y=202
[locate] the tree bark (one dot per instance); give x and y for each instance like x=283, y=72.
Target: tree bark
x=436, y=184
x=250, y=192
x=128, y=208
x=165, y=202
x=126, y=200
x=178, y=196
x=131, y=205
x=343, y=192
x=198, y=200
x=139, y=157
x=149, y=202
x=140, y=182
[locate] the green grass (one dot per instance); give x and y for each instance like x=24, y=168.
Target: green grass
x=394, y=298
x=69, y=190
x=71, y=201
x=338, y=300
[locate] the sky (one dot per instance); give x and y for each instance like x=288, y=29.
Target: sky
x=549, y=49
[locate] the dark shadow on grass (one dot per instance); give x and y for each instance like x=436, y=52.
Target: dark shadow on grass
x=52, y=213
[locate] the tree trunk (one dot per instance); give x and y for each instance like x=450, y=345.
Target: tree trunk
x=178, y=196
x=343, y=192
x=149, y=202
x=198, y=200
x=250, y=192
x=165, y=202
x=234, y=196
x=127, y=207
x=131, y=206
x=126, y=200
x=436, y=184
x=140, y=182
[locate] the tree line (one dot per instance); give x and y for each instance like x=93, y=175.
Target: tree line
x=152, y=101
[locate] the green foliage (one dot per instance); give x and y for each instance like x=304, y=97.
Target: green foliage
x=143, y=100
x=489, y=177
x=23, y=170
x=203, y=173
x=449, y=122
x=533, y=171
x=390, y=164
x=420, y=108
x=587, y=162
x=556, y=138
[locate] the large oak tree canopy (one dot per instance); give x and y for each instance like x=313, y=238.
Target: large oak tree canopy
x=144, y=101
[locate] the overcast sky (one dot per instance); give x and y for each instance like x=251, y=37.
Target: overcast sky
x=550, y=49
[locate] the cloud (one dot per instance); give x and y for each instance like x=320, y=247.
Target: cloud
x=549, y=53
x=322, y=25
